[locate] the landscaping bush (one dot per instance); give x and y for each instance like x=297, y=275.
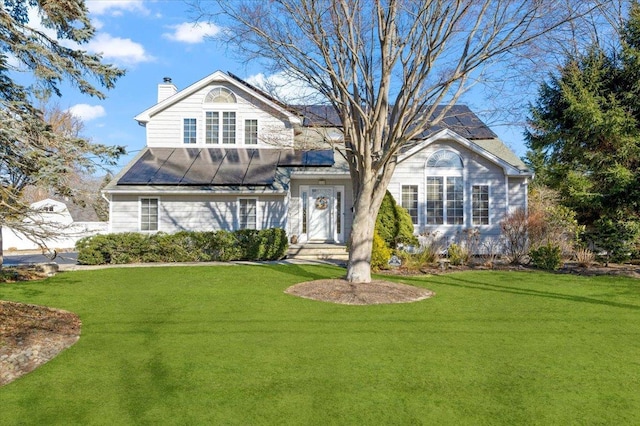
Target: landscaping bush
x=458, y=254
x=548, y=257
x=183, y=246
x=380, y=253
x=394, y=224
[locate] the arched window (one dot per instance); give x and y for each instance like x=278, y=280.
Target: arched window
x=445, y=158
x=220, y=123
x=444, y=189
x=220, y=95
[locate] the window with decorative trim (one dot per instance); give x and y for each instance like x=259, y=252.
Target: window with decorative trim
x=248, y=213
x=480, y=204
x=220, y=95
x=410, y=201
x=189, y=134
x=444, y=189
x=251, y=132
x=149, y=214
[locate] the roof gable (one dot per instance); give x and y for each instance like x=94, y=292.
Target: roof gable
x=494, y=152
x=218, y=76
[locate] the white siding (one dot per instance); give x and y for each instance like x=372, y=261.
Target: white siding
x=195, y=212
x=165, y=127
x=477, y=171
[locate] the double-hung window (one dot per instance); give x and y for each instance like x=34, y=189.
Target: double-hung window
x=148, y=214
x=251, y=132
x=189, y=134
x=480, y=205
x=248, y=213
x=220, y=126
x=410, y=201
x=444, y=189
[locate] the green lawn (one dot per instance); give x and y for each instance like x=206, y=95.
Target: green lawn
x=225, y=345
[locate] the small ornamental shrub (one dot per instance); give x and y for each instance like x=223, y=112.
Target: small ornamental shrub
x=183, y=246
x=380, y=253
x=458, y=254
x=394, y=224
x=548, y=257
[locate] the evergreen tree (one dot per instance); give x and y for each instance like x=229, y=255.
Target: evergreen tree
x=31, y=151
x=584, y=131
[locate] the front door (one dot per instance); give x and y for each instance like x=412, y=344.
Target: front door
x=320, y=208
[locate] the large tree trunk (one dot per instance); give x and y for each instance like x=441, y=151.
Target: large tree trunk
x=368, y=197
x=1, y=250
x=360, y=243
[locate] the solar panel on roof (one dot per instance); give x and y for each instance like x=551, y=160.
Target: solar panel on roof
x=204, y=167
x=233, y=168
x=146, y=167
x=318, y=158
x=218, y=166
x=262, y=168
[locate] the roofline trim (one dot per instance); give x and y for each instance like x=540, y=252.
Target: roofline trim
x=145, y=116
x=508, y=169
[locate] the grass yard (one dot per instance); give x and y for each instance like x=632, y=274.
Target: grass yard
x=225, y=345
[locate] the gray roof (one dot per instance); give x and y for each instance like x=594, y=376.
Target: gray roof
x=459, y=118
x=217, y=166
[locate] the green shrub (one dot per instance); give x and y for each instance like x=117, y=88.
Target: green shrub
x=458, y=254
x=619, y=238
x=183, y=246
x=548, y=257
x=380, y=253
x=394, y=224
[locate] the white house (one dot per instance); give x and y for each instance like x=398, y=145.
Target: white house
x=54, y=224
x=221, y=154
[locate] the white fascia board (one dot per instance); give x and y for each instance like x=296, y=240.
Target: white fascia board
x=447, y=134
x=145, y=116
x=160, y=191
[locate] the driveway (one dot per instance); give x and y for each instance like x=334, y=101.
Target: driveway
x=66, y=258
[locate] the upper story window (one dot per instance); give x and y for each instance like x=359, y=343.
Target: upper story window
x=220, y=95
x=445, y=159
x=189, y=134
x=444, y=189
x=220, y=122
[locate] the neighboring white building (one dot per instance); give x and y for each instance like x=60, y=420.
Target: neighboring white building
x=65, y=222
x=221, y=154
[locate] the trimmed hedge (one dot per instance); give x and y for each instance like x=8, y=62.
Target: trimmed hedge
x=183, y=246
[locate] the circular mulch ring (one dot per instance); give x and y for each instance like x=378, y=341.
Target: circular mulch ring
x=346, y=293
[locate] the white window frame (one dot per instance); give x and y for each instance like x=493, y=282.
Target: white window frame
x=140, y=214
x=417, y=203
x=252, y=135
x=184, y=129
x=221, y=127
x=239, y=212
x=445, y=173
x=473, y=185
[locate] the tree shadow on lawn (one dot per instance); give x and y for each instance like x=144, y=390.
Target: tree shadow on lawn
x=303, y=271
x=476, y=285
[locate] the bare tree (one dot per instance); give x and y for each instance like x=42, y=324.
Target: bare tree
x=387, y=67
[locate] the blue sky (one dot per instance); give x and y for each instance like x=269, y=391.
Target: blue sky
x=153, y=39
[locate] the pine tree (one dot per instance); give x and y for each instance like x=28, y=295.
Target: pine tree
x=31, y=152
x=584, y=131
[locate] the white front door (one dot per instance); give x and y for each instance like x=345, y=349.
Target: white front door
x=320, y=208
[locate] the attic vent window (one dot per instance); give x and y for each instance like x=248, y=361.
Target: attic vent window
x=220, y=95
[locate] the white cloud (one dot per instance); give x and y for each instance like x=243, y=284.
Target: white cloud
x=285, y=88
x=116, y=7
x=122, y=50
x=87, y=112
x=191, y=33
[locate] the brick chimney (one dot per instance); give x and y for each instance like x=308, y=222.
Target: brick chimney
x=166, y=89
